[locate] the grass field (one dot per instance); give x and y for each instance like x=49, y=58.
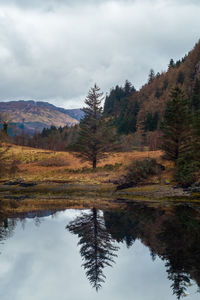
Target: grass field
x=42, y=165
x=61, y=180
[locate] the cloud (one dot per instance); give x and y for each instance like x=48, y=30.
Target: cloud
x=55, y=50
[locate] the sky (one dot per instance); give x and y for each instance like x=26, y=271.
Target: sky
x=55, y=50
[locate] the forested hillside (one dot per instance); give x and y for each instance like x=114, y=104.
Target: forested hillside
x=142, y=110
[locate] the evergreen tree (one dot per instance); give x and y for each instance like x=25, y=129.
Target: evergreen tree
x=196, y=137
x=196, y=96
x=95, y=136
x=151, y=121
x=177, y=64
x=126, y=123
x=176, y=126
x=158, y=93
x=165, y=84
x=151, y=76
x=97, y=249
x=128, y=88
x=171, y=64
x=181, y=77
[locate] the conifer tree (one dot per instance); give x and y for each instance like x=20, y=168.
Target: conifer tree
x=196, y=138
x=196, y=96
x=95, y=136
x=176, y=126
x=171, y=64
x=151, y=76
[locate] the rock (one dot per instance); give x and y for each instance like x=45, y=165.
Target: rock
x=125, y=185
x=27, y=184
x=16, y=182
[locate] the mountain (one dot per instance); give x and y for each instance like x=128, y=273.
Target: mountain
x=34, y=116
x=142, y=111
x=75, y=113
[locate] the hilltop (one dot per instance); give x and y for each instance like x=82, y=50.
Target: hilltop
x=34, y=116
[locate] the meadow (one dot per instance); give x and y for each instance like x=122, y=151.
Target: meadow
x=42, y=179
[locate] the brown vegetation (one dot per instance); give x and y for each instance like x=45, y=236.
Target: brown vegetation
x=42, y=165
x=154, y=95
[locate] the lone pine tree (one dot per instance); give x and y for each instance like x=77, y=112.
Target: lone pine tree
x=95, y=135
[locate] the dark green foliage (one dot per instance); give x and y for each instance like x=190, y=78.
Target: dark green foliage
x=178, y=63
x=58, y=139
x=171, y=64
x=97, y=246
x=139, y=170
x=151, y=121
x=196, y=138
x=196, y=95
x=114, y=102
x=181, y=139
x=123, y=109
x=126, y=122
x=165, y=84
x=128, y=88
x=176, y=126
x=180, y=78
x=151, y=76
x=185, y=170
x=158, y=93
x=96, y=137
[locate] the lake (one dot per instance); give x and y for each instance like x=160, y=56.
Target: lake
x=133, y=252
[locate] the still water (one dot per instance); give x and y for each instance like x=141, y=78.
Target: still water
x=136, y=252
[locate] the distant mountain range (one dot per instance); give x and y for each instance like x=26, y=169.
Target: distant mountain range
x=33, y=116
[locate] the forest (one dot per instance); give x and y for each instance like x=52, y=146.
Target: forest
x=163, y=115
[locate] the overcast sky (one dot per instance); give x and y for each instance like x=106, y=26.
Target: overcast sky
x=55, y=50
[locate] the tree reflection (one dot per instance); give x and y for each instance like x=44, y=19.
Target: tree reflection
x=97, y=246
x=7, y=227
x=172, y=234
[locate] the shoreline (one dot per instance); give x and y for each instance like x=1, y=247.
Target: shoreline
x=48, y=195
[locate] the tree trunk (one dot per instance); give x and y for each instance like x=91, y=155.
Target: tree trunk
x=94, y=163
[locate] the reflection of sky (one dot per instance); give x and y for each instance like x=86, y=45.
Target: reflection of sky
x=40, y=263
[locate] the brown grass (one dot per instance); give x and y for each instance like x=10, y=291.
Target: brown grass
x=44, y=165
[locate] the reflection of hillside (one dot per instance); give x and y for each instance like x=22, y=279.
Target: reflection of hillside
x=174, y=237
x=7, y=227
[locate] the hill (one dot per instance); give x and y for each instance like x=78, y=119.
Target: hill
x=34, y=116
x=142, y=111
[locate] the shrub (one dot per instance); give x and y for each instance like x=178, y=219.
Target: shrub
x=139, y=170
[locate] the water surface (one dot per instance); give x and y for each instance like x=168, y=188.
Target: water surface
x=137, y=252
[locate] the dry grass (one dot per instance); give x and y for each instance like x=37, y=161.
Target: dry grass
x=43, y=165
x=71, y=183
